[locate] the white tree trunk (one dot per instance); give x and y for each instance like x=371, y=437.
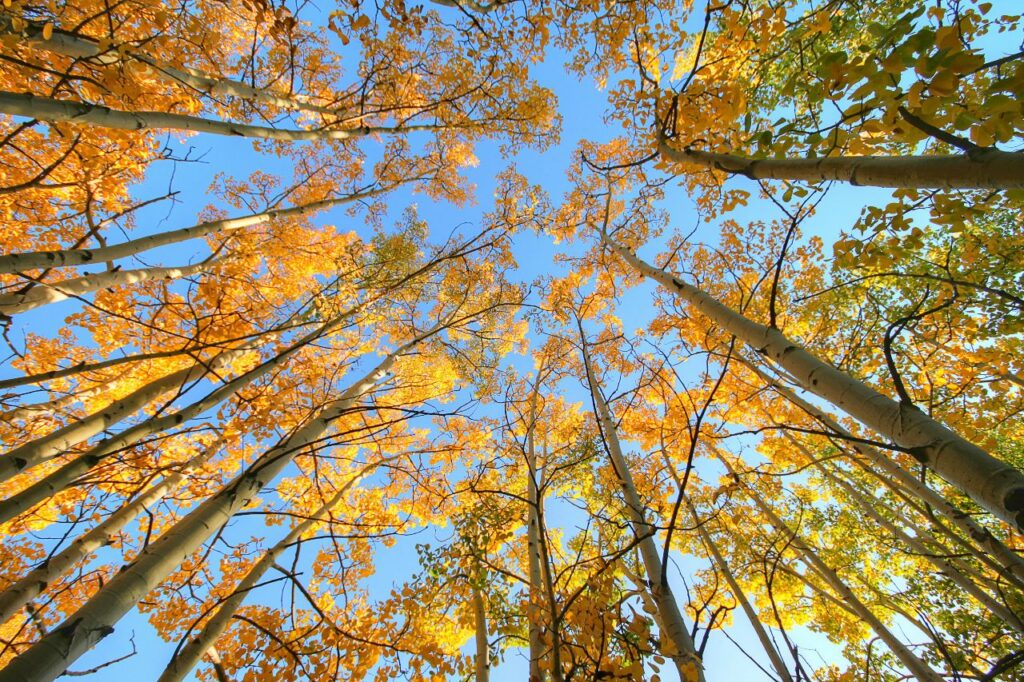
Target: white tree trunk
x=16, y=595
x=48, y=658
x=1011, y=563
x=986, y=169
x=918, y=668
x=186, y=658
x=45, y=293
x=762, y=634
x=36, y=260
x=41, y=449
x=71, y=111
x=994, y=484
x=674, y=632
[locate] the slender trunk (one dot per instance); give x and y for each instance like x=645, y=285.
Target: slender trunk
x=78, y=47
x=35, y=582
x=41, y=449
x=44, y=294
x=680, y=647
x=49, y=657
x=71, y=471
x=1012, y=564
x=483, y=647
x=984, y=169
x=737, y=592
x=85, y=113
x=34, y=260
x=995, y=485
x=924, y=535
x=918, y=668
x=943, y=565
x=50, y=407
x=533, y=537
x=85, y=368
x=187, y=656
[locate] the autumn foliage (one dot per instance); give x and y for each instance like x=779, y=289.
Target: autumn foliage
x=420, y=375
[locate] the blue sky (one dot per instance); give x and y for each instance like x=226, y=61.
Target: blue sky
x=581, y=105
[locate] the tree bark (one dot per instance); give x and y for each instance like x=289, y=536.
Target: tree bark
x=918, y=668
x=72, y=111
x=762, y=634
x=533, y=538
x=1011, y=563
x=985, y=169
x=71, y=471
x=34, y=260
x=45, y=293
x=35, y=582
x=673, y=629
x=79, y=47
x=995, y=485
x=41, y=449
x=48, y=658
x=186, y=658
x=944, y=566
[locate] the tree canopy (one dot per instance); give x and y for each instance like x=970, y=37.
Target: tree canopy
x=462, y=340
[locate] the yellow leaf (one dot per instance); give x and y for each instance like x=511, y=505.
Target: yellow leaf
x=47, y=31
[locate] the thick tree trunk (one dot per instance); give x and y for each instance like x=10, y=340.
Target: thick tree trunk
x=994, y=484
x=723, y=567
x=72, y=111
x=186, y=658
x=49, y=658
x=45, y=293
x=985, y=169
x=35, y=260
x=674, y=632
x=1012, y=564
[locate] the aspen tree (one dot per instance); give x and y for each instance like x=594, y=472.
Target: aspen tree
x=914, y=664
x=987, y=169
x=186, y=657
x=995, y=485
x=48, y=658
x=1011, y=563
x=674, y=630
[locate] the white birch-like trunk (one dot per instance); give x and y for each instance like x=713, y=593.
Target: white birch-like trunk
x=70, y=472
x=48, y=658
x=79, y=47
x=985, y=169
x=41, y=449
x=762, y=634
x=36, y=260
x=72, y=111
x=674, y=632
x=35, y=582
x=944, y=566
x=533, y=538
x=186, y=658
x=995, y=485
x=483, y=648
x=45, y=293
x=917, y=667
